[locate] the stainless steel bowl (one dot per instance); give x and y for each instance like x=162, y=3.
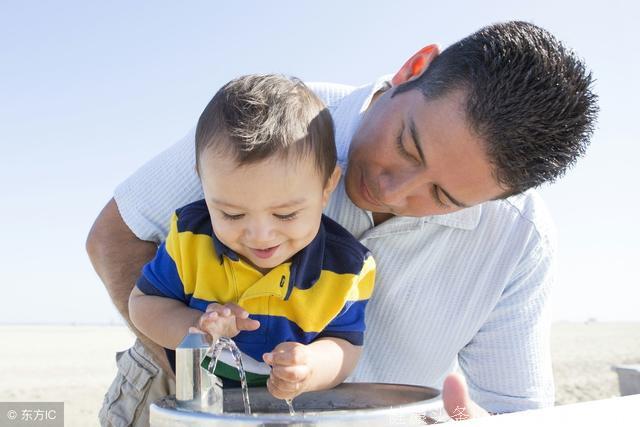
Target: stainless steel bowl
x=350, y=404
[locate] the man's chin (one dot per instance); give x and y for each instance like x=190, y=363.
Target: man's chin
x=351, y=188
x=355, y=199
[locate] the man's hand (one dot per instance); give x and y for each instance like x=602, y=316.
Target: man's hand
x=457, y=403
x=290, y=369
x=226, y=321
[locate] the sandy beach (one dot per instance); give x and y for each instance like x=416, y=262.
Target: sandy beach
x=583, y=354
x=76, y=364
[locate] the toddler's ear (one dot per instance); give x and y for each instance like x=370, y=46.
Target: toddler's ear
x=331, y=184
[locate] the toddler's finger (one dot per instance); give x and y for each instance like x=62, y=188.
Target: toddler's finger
x=220, y=310
x=206, y=319
x=284, y=388
x=292, y=355
x=212, y=307
x=247, y=324
x=268, y=358
x=276, y=391
x=237, y=310
x=212, y=315
x=292, y=374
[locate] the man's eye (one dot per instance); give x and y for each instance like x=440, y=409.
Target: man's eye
x=231, y=217
x=287, y=217
x=436, y=196
x=403, y=151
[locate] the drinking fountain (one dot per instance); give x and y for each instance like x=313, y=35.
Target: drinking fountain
x=200, y=400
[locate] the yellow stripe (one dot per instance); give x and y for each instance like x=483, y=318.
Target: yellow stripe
x=264, y=286
x=197, y=263
x=312, y=309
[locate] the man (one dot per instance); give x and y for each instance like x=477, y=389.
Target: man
x=438, y=162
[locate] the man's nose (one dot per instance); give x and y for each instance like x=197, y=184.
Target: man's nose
x=395, y=189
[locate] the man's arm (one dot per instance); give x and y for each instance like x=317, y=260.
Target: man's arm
x=118, y=256
x=507, y=365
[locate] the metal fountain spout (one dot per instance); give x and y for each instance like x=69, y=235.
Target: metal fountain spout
x=196, y=389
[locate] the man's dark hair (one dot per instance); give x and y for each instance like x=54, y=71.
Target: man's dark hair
x=528, y=97
x=254, y=117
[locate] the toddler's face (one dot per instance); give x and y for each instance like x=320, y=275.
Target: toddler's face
x=267, y=211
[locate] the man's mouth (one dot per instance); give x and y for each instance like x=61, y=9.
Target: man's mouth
x=265, y=253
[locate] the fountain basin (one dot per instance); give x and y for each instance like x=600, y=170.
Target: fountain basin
x=349, y=404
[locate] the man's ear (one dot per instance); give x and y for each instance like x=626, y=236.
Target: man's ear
x=331, y=184
x=416, y=65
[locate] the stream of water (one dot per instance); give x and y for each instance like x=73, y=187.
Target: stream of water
x=214, y=354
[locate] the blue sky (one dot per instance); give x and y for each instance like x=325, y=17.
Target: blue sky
x=91, y=90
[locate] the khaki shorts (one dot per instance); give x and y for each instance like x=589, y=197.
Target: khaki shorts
x=138, y=383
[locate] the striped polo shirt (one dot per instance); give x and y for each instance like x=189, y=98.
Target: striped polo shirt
x=322, y=291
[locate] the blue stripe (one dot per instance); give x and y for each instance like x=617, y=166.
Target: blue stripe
x=148, y=288
x=200, y=304
x=195, y=218
x=273, y=331
x=306, y=265
x=333, y=249
x=343, y=254
x=160, y=277
x=277, y=329
x=350, y=318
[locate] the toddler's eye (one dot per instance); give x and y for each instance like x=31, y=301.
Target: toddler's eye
x=286, y=217
x=231, y=217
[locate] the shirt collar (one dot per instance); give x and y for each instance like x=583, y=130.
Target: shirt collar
x=466, y=219
x=222, y=250
x=306, y=265
x=382, y=83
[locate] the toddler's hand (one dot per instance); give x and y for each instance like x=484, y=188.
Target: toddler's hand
x=226, y=320
x=290, y=369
